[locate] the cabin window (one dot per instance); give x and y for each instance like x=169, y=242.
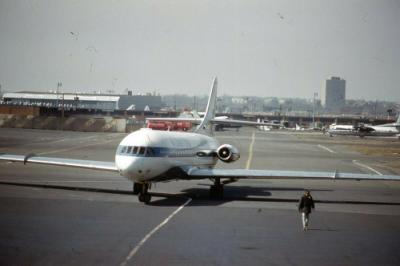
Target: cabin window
x=141, y=150
x=123, y=149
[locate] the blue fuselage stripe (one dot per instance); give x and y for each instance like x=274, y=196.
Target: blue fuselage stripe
x=162, y=152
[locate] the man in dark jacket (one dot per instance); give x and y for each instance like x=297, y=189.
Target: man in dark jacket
x=306, y=203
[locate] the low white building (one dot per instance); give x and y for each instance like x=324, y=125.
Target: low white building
x=102, y=102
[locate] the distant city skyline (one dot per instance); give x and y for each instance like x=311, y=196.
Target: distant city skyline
x=282, y=48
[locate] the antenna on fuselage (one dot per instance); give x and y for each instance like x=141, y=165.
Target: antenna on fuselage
x=205, y=126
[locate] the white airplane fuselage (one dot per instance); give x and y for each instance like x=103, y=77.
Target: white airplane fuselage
x=384, y=131
x=146, y=154
x=366, y=130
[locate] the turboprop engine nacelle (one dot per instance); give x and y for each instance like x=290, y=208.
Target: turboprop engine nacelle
x=228, y=153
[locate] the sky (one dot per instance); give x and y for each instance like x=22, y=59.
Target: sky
x=282, y=48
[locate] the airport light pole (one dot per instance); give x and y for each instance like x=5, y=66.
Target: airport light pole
x=313, y=109
x=62, y=112
x=76, y=101
x=59, y=84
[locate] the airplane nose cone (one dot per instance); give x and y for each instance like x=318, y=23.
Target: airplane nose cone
x=134, y=168
x=123, y=162
x=126, y=166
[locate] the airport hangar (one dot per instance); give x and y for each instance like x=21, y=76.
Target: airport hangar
x=102, y=102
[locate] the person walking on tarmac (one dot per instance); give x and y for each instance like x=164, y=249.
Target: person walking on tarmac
x=306, y=203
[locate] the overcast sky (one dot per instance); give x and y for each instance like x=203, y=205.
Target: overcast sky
x=266, y=48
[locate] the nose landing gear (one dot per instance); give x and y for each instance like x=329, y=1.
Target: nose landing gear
x=142, y=191
x=137, y=187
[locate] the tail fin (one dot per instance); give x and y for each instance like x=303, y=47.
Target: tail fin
x=205, y=126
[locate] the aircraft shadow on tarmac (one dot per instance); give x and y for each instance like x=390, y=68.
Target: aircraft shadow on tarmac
x=200, y=196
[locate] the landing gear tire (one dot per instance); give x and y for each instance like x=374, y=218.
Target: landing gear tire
x=141, y=197
x=146, y=198
x=144, y=195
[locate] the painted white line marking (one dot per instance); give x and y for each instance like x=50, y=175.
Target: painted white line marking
x=141, y=243
x=326, y=148
x=368, y=167
x=250, y=151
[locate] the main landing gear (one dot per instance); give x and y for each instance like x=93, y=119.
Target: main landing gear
x=217, y=190
x=143, y=191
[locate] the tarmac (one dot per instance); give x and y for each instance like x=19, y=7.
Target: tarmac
x=55, y=215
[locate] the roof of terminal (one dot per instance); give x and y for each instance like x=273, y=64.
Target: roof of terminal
x=67, y=96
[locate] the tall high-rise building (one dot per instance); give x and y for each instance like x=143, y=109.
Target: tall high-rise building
x=333, y=96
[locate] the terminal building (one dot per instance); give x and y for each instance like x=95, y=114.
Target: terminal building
x=333, y=96
x=102, y=102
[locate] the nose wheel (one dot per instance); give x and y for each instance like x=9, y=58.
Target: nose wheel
x=144, y=195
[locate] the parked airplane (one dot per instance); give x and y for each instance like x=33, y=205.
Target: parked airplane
x=395, y=124
x=385, y=130
x=335, y=129
x=147, y=156
x=220, y=121
x=196, y=119
x=263, y=128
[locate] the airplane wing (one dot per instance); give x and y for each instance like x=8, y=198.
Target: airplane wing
x=31, y=158
x=275, y=174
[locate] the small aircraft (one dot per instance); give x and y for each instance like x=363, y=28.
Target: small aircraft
x=147, y=156
x=363, y=130
x=335, y=129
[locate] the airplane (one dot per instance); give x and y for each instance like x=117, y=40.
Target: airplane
x=385, y=130
x=217, y=122
x=335, y=129
x=221, y=122
x=391, y=129
x=395, y=124
x=148, y=156
x=263, y=128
